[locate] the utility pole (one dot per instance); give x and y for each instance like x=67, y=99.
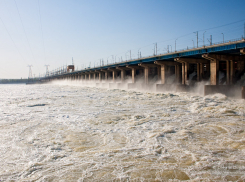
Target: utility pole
x=47, y=72
x=175, y=45
x=197, y=36
x=30, y=72
x=203, y=39
x=223, y=38
x=210, y=40
x=156, y=48
x=244, y=31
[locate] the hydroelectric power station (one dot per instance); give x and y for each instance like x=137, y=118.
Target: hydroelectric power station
x=219, y=66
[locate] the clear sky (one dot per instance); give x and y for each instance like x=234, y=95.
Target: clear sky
x=51, y=32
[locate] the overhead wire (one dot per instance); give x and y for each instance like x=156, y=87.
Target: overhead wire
x=9, y=15
x=187, y=35
x=24, y=30
x=41, y=30
x=13, y=43
x=203, y=30
x=12, y=39
x=240, y=27
x=192, y=33
x=223, y=25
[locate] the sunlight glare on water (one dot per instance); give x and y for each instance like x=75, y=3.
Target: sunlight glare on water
x=74, y=133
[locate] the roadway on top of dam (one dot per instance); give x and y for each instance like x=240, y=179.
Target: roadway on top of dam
x=229, y=47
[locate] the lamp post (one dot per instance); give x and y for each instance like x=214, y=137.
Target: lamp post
x=223, y=38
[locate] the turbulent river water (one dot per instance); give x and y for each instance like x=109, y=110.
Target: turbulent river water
x=65, y=132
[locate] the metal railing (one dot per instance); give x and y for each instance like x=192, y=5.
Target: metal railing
x=63, y=70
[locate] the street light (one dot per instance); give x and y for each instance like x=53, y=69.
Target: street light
x=223, y=38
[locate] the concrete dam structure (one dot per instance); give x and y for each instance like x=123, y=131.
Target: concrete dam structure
x=220, y=68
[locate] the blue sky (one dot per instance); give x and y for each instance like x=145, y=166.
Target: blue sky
x=51, y=32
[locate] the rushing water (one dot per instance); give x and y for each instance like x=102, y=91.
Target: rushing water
x=74, y=133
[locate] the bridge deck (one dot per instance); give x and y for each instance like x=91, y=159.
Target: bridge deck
x=225, y=48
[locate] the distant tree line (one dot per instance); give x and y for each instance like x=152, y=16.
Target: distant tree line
x=16, y=81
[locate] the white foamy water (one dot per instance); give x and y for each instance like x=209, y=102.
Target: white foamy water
x=74, y=133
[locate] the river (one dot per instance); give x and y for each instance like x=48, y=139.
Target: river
x=69, y=132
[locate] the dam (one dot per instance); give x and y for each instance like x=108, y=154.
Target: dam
x=220, y=66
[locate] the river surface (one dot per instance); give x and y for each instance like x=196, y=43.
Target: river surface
x=68, y=132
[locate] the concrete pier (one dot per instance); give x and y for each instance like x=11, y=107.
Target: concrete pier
x=113, y=85
x=243, y=92
x=198, y=67
x=220, y=67
x=123, y=72
x=231, y=91
x=106, y=74
x=165, y=87
x=133, y=69
x=146, y=71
